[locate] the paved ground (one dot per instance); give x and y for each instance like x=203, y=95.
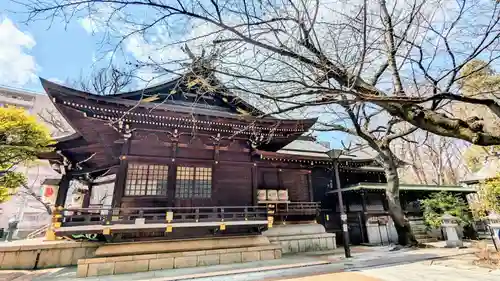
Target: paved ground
x=375, y=263
x=341, y=276
x=406, y=272
x=380, y=264
x=423, y=271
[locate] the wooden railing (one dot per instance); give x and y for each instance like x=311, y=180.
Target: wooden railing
x=107, y=216
x=299, y=208
x=38, y=232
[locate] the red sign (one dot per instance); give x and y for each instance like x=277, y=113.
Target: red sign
x=49, y=191
x=49, y=194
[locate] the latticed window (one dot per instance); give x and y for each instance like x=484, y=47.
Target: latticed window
x=147, y=180
x=193, y=182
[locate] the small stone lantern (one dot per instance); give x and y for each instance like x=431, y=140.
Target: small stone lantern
x=494, y=223
x=13, y=222
x=450, y=225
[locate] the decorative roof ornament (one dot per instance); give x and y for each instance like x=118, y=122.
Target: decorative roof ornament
x=200, y=69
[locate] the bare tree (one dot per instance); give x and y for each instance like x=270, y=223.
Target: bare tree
x=379, y=137
x=106, y=81
x=52, y=118
x=379, y=62
x=431, y=159
x=357, y=46
x=28, y=191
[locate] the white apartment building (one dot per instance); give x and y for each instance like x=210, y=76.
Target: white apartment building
x=31, y=213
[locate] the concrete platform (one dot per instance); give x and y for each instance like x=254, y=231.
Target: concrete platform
x=180, y=245
x=299, y=238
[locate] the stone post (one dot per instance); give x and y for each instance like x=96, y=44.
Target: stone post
x=13, y=222
x=450, y=226
x=494, y=223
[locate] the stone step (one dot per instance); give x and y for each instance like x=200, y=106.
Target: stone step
x=421, y=236
x=483, y=236
x=147, y=262
x=427, y=240
x=418, y=225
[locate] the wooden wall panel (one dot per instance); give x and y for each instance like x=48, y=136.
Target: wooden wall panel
x=297, y=183
x=235, y=150
x=136, y=202
x=269, y=179
x=237, y=156
x=150, y=149
x=232, y=185
x=323, y=180
x=150, y=144
x=195, y=153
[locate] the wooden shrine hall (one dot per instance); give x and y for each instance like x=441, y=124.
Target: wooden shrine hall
x=185, y=164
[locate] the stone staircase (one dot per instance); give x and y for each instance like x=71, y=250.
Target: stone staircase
x=420, y=231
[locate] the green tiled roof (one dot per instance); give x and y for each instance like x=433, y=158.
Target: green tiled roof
x=414, y=187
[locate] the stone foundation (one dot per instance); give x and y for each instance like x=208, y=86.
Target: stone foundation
x=118, y=258
x=147, y=262
x=40, y=254
x=295, y=238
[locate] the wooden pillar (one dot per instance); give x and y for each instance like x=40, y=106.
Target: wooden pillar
x=62, y=192
x=121, y=176
x=255, y=183
x=88, y=195
x=280, y=179
x=215, y=166
x=172, y=170
x=309, y=181
x=384, y=202
x=403, y=200
x=363, y=201
x=364, y=231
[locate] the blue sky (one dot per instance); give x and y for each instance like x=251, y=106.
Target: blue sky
x=59, y=52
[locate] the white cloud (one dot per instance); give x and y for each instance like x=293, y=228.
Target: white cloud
x=17, y=67
x=88, y=24
x=56, y=80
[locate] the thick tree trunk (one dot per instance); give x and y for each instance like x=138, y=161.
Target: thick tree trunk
x=401, y=223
